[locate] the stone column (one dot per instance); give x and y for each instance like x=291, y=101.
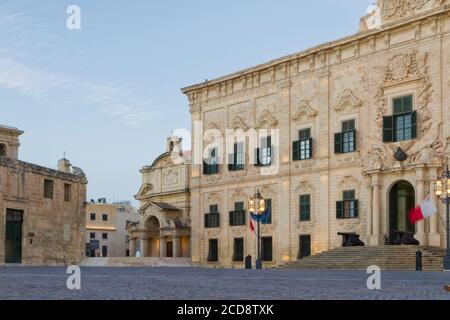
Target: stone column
x=144, y=243
x=369, y=212
x=132, y=247
x=162, y=247
x=434, y=238
x=420, y=226
x=376, y=238
x=176, y=246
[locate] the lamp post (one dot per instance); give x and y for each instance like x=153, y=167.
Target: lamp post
x=442, y=189
x=257, y=206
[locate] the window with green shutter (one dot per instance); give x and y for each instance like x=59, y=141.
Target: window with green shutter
x=302, y=149
x=345, y=141
x=237, y=158
x=213, y=252
x=212, y=219
x=238, y=252
x=237, y=217
x=305, y=207
x=348, y=208
x=402, y=125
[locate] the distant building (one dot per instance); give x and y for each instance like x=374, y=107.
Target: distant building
x=41, y=210
x=164, y=228
x=106, y=228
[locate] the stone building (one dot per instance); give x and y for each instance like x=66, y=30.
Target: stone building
x=42, y=211
x=164, y=229
x=359, y=129
x=107, y=228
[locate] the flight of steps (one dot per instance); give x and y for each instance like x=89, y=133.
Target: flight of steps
x=386, y=257
x=136, y=262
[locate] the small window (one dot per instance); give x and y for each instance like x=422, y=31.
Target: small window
x=92, y=235
x=212, y=219
x=67, y=192
x=2, y=150
x=213, y=252
x=212, y=165
x=237, y=158
x=302, y=149
x=345, y=141
x=348, y=208
x=104, y=217
x=238, y=253
x=402, y=125
x=104, y=236
x=48, y=189
x=266, y=246
x=269, y=209
x=92, y=216
x=237, y=217
x=305, y=207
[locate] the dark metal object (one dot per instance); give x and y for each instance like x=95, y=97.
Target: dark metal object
x=419, y=260
x=351, y=239
x=397, y=238
x=248, y=262
x=400, y=155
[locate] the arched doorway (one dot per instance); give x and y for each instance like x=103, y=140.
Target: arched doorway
x=401, y=199
x=152, y=230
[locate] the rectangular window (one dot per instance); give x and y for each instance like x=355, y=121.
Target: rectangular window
x=48, y=189
x=213, y=252
x=104, y=236
x=104, y=217
x=302, y=149
x=237, y=217
x=67, y=192
x=92, y=235
x=345, y=142
x=402, y=125
x=92, y=216
x=348, y=208
x=266, y=246
x=305, y=207
x=237, y=159
x=264, y=153
x=212, y=219
x=269, y=209
x=238, y=254
x=212, y=165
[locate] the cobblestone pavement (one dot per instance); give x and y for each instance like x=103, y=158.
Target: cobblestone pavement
x=217, y=284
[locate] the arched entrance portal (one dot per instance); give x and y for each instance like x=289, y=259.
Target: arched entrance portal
x=152, y=229
x=401, y=199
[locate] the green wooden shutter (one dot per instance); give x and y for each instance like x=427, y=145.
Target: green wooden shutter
x=257, y=162
x=388, y=129
x=354, y=140
x=355, y=202
x=338, y=143
x=339, y=209
x=310, y=148
x=414, y=125
x=296, y=150
x=231, y=162
x=206, y=220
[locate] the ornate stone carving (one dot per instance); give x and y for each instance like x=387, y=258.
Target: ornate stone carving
x=304, y=112
x=239, y=195
x=304, y=187
x=238, y=123
x=350, y=225
x=266, y=121
x=306, y=227
x=403, y=8
x=170, y=177
x=349, y=182
x=429, y=146
x=348, y=99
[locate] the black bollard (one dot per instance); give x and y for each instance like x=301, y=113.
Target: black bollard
x=248, y=262
x=419, y=260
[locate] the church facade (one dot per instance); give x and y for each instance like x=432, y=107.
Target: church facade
x=164, y=226
x=358, y=130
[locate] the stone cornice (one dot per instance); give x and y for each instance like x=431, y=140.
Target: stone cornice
x=317, y=57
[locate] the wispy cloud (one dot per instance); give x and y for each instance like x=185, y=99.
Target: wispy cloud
x=24, y=73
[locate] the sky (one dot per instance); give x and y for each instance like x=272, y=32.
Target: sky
x=108, y=95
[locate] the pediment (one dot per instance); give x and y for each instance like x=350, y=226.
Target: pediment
x=304, y=112
x=144, y=191
x=266, y=121
x=348, y=100
x=238, y=123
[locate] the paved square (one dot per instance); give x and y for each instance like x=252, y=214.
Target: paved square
x=220, y=284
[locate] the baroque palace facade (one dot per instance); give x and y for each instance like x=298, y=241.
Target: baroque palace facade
x=364, y=126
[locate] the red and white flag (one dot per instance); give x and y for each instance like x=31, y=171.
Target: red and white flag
x=252, y=228
x=425, y=210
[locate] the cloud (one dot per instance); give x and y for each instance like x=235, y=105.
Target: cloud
x=21, y=70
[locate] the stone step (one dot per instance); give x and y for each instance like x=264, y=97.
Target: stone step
x=136, y=262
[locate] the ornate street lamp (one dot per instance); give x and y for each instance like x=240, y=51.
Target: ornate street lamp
x=257, y=206
x=442, y=189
